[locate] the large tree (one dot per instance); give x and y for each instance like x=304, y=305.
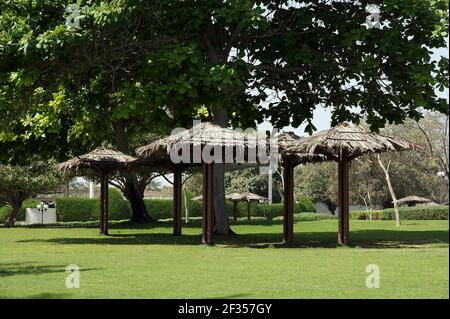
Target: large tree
x=137, y=63
x=17, y=183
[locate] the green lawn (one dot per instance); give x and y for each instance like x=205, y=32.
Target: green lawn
x=148, y=262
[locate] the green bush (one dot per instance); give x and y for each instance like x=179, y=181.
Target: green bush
x=308, y=217
x=162, y=209
x=70, y=209
x=306, y=205
x=159, y=208
x=6, y=210
x=423, y=212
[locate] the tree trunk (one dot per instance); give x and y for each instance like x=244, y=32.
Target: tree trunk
x=131, y=191
x=391, y=190
x=15, y=209
x=221, y=226
x=132, y=194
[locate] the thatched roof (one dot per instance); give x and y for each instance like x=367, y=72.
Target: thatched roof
x=250, y=197
x=197, y=198
x=235, y=196
x=158, y=152
x=287, y=142
x=413, y=199
x=97, y=159
x=353, y=140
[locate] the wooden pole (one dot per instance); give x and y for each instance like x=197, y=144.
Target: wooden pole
x=288, y=204
x=235, y=210
x=104, y=203
x=177, y=184
x=208, y=204
x=343, y=231
x=248, y=210
x=102, y=195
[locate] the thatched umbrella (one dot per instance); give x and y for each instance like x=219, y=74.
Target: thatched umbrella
x=235, y=198
x=251, y=197
x=344, y=143
x=198, y=198
x=191, y=144
x=100, y=162
x=289, y=159
x=413, y=200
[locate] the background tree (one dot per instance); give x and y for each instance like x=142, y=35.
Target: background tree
x=317, y=182
x=250, y=180
x=134, y=62
x=17, y=183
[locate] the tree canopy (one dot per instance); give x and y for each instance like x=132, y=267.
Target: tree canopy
x=17, y=183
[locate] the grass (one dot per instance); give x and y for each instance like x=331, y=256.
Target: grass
x=148, y=262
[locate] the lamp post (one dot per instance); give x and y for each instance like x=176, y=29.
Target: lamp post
x=45, y=211
x=441, y=175
x=40, y=208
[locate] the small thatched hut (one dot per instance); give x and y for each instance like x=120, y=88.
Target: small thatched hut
x=251, y=197
x=234, y=198
x=197, y=147
x=344, y=143
x=413, y=200
x=100, y=162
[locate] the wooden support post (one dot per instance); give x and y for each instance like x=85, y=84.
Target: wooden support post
x=288, y=204
x=248, y=210
x=104, y=203
x=343, y=232
x=177, y=184
x=235, y=210
x=208, y=204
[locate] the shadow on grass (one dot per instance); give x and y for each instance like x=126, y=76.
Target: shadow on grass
x=374, y=238
x=49, y=295
x=31, y=268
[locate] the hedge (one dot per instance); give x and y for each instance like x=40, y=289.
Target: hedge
x=308, y=217
x=306, y=205
x=423, y=212
x=70, y=209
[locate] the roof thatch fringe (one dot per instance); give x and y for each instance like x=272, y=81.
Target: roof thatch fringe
x=250, y=197
x=354, y=140
x=200, y=135
x=413, y=199
x=287, y=142
x=235, y=196
x=101, y=157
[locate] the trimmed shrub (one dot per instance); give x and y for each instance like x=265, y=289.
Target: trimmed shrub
x=308, y=217
x=159, y=208
x=81, y=209
x=71, y=209
x=306, y=205
x=6, y=210
x=423, y=212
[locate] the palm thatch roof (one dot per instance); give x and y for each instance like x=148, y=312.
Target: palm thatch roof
x=287, y=142
x=251, y=197
x=344, y=138
x=197, y=198
x=413, y=199
x=202, y=134
x=235, y=196
x=95, y=160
